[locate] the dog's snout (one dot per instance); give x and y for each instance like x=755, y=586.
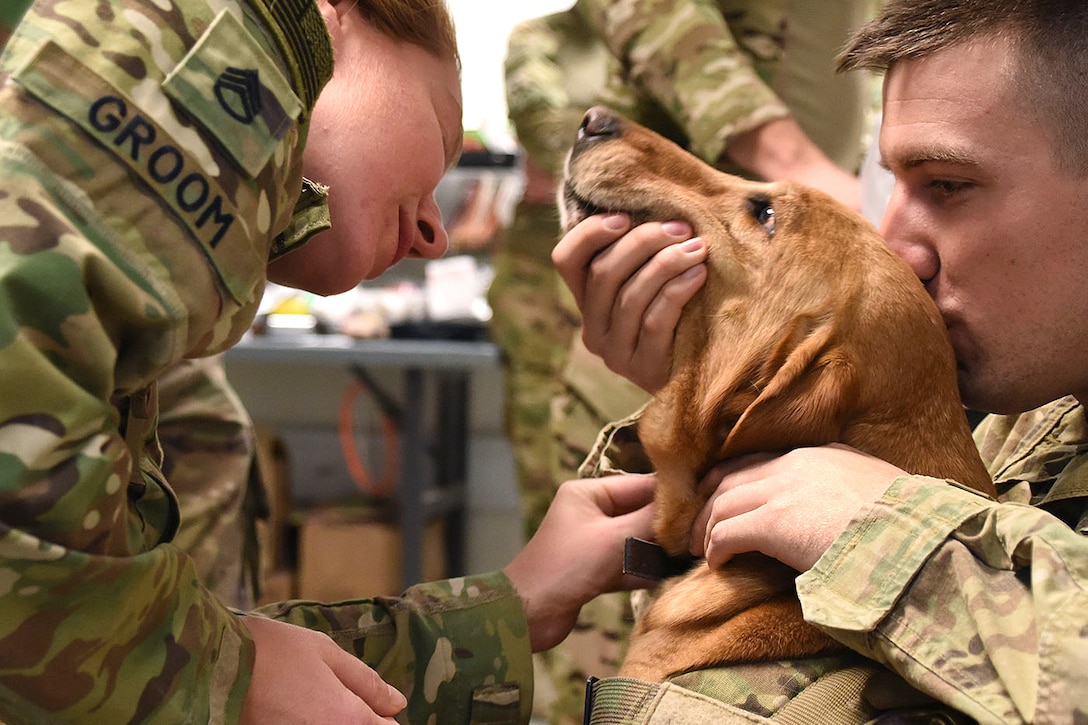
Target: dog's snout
x=598, y=124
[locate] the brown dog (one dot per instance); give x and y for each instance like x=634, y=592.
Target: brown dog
x=809, y=330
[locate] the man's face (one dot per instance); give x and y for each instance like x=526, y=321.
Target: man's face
x=992, y=225
x=383, y=132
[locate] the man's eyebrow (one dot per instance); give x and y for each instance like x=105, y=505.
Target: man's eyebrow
x=913, y=158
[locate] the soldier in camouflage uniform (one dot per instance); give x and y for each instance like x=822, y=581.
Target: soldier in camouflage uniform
x=980, y=604
x=554, y=70
x=151, y=164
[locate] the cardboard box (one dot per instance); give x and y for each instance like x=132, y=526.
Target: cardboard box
x=348, y=553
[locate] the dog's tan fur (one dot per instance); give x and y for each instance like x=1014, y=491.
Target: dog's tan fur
x=813, y=333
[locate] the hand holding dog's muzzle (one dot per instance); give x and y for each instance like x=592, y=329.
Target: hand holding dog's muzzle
x=631, y=286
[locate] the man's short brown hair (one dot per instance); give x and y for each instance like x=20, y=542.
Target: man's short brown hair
x=1050, y=36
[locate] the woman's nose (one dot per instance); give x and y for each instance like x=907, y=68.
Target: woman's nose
x=432, y=240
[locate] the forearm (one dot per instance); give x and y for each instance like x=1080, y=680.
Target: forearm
x=448, y=646
x=779, y=150
x=982, y=605
x=685, y=58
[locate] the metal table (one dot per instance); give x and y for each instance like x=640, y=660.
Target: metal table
x=452, y=363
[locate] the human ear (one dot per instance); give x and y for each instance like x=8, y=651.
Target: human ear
x=334, y=11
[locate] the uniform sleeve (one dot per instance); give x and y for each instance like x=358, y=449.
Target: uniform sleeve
x=981, y=604
x=684, y=56
x=100, y=622
x=458, y=649
x=538, y=104
x=208, y=443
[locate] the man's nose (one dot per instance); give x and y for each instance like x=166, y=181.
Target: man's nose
x=909, y=237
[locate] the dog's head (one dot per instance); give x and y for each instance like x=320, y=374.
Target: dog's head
x=809, y=330
x=764, y=238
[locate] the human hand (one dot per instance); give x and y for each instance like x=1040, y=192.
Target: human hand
x=301, y=676
x=631, y=285
x=577, y=553
x=789, y=506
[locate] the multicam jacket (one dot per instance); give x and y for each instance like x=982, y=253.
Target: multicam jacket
x=981, y=605
x=719, y=68
x=150, y=155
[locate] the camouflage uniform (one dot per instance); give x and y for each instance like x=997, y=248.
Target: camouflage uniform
x=554, y=70
x=1006, y=645
x=1009, y=642
x=143, y=181
x=11, y=13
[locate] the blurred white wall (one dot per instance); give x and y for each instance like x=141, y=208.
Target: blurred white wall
x=482, y=30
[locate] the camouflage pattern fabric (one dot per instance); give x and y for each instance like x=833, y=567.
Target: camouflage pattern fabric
x=141, y=191
x=719, y=68
x=554, y=69
x=10, y=14
x=209, y=450
x=457, y=649
x=1008, y=642
x=533, y=332
x=838, y=690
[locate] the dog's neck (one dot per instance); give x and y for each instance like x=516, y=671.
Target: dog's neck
x=775, y=389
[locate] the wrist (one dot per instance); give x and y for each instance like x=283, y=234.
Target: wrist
x=539, y=623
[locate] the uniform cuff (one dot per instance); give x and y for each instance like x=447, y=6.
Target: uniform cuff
x=857, y=581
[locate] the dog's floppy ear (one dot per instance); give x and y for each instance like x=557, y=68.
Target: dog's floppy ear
x=805, y=392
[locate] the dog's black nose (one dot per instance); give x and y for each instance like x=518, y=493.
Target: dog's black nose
x=599, y=123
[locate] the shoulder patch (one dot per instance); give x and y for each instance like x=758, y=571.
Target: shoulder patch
x=63, y=82
x=229, y=85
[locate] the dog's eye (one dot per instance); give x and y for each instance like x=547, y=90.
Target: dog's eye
x=763, y=213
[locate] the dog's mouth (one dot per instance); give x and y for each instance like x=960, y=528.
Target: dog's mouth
x=576, y=207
